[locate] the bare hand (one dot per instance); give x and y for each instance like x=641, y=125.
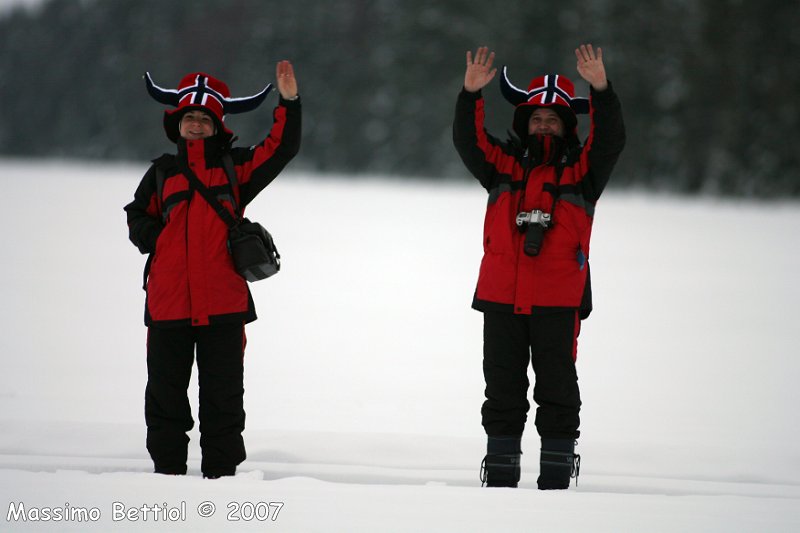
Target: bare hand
x=479, y=72
x=590, y=66
x=287, y=84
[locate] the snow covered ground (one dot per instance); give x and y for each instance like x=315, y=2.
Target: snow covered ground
x=363, y=373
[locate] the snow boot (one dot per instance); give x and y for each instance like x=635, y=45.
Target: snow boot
x=500, y=467
x=558, y=463
x=217, y=473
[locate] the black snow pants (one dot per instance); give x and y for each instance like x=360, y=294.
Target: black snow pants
x=220, y=365
x=548, y=340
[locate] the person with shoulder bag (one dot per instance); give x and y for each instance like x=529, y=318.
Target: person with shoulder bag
x=188, y=215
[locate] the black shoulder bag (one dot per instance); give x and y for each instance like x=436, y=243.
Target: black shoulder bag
x=250, y=244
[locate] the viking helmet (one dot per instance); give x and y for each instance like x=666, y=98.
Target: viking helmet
x=553, y=91
x=201, y=91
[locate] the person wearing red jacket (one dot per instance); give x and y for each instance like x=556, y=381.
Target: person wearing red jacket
x=195, y=298
x=533, y=287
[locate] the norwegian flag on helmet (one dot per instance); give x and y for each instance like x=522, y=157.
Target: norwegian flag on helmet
x=200, y=92
x=548, y=90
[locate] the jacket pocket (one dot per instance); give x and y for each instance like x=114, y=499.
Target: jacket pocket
x=499, y=227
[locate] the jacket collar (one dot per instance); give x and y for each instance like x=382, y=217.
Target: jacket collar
x=213, y=147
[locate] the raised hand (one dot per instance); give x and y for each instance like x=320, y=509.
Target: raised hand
x=287, y=84
x=590, y=66
x=479, y=72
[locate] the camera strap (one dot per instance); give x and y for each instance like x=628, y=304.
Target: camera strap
x=559, y=169
x=527, y=163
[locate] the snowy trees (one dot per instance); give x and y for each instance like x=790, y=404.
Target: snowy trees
x=708, y=86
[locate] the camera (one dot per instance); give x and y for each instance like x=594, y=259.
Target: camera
x=533, y=223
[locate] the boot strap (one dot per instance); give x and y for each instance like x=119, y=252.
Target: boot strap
x=564, y=459
x=511, y=460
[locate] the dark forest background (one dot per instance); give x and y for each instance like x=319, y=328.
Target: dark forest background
x=710, y=88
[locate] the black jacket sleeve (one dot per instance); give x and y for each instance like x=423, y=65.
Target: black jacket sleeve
x=466, y=127
x=287, y=148
x=144, y=226
x=608, y=140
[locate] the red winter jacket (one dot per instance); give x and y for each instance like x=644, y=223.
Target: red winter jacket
x=510, y=280
x=192, y=280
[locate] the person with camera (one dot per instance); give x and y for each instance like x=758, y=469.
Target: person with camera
x=196, y=299
x=533, y=287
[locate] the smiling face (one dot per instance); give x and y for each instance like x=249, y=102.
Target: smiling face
x=196, y=124
x=545, y=121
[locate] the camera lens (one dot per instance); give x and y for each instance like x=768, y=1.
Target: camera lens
x=533, y=239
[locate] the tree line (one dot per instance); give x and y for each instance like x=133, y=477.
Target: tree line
x=709, y=87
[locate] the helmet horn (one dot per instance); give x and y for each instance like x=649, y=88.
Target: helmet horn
x=513, y=94
x=580, y=105
x=161, y=95
x=246, y=103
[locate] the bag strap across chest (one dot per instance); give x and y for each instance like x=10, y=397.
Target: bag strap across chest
x=196, y=184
